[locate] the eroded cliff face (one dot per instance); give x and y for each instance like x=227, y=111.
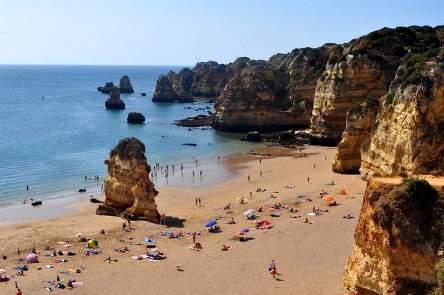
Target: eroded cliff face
x=271, y=95
x=409, y=135
x=128, y=188
x=362, y=70
x=205, y=80
x=359, y=122
x=399, y=232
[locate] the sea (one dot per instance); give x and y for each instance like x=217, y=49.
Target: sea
x=55, y=130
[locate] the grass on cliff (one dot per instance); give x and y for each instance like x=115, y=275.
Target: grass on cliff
x=416, y=210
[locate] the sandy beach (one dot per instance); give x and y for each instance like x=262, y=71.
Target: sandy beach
x=310, y=257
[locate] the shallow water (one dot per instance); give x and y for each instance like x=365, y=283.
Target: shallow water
x=55, y=129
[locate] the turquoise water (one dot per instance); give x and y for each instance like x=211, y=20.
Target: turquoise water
x=52, y=143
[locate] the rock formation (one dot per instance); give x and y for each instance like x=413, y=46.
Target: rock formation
x=205, y=80
x=408, y=137
x=128, y=188
x=397, y=238
x=109, y=86
x=362, y=70
x=135, y=118
x=125, y=85
x=114, y=102
x=415, y=98
x=271, y=95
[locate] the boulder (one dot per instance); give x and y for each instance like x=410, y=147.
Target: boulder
x=128, y=188
x=109, y=86
x=135, y=118
x=114, y=102
x=253, y=136
x=125, y=85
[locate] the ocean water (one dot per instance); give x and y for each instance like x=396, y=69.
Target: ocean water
x=55, y=129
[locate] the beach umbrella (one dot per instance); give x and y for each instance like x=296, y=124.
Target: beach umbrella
x=93, y=244
x=211, y=223
x=244, y=230
x=328, y=198
x=264, y=222
x=148, y=240
x=250, y=212
x=32, y=258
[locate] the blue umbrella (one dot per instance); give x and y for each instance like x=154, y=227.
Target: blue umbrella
x=244, y=230
x=211, y=223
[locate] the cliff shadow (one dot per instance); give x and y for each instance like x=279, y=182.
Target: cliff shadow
x=173, y=221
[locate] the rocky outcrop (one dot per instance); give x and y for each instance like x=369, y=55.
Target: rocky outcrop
x=196, y=121
x=271, y=95
x=128, y=188
x=409, y=135
x=114, y=102
x=359, y=122
x=362, y=70
x=397, y=238
x=205, y=80
x=109, y=86
x=135, y=118
x=174, y=87
x=125, y=85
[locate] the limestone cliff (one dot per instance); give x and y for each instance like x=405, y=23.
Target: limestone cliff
x=399, y=232
x=205, y=80
x=128, y=188
x=359, y=122
x=409, y=134
x=114, y=102
x=125, y=85
x=362, y=70
x=271, y=95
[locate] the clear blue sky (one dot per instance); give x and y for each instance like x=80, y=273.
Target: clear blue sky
x=167, y=32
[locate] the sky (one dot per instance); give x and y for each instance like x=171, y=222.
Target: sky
x=173, y=32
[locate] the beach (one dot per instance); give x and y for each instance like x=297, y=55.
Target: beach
x=310, y=257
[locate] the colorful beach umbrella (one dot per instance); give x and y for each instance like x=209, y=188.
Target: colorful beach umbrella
x=211, y=223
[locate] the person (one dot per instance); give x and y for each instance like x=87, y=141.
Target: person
x=19, y=292
x=249, y=178
x=194, y=238
x=18, y=251
x=272, y=269
x=261, y=173
x=251, y=195
x=308, y=179
x=124, y=226
x=129, y=223
x=260, y=161
x=27, y=187
x=196, y=201
x=193, y=172
x=200, y=202
x=314, y=166
x=200, y=173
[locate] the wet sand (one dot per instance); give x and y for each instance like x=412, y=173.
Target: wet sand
x=310, y=257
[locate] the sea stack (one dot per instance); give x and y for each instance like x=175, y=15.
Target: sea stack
x=128, y=187
x=114, y=102
x=135, y=118
x=109, y=86
x=125, y=85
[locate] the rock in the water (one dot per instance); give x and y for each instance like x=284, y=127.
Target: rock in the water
x=37, y=203
x=114, y=102
x=125, y=85
x=109, y=86
x=143, y=94
x=253, y=136
x=197, y=121
x=399, y=232
x=128, y=188
x=135, y=118
x=174, y=87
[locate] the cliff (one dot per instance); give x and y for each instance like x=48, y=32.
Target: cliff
x=128, y=188
x=271, y=95
x=205, y=80
x=125, y=85
x=403, y=136
x=362, y=70
x=397, y=238
x=408, y=137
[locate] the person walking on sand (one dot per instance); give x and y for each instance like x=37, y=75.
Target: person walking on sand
x=314, y=166
x=272, y=269
x=194, y=238
x=261, y=173
x=124, y=226
x=308, y=179
x=196, y=201
x=249, y=178
x=200, y=202
x=251, y=195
